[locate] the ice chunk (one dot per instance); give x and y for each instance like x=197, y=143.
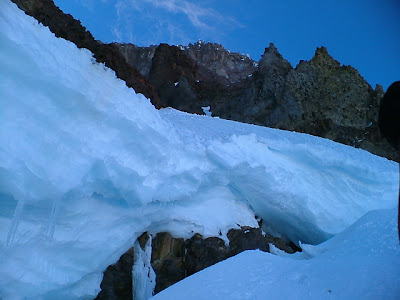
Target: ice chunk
x=206, y=110
x=144, y=278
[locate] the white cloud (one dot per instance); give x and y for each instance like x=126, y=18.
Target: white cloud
x=160, y=20
x=117, y=34
x=195, y=13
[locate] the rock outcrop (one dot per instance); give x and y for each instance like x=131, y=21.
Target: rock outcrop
x=228, y=67
x=117, y=279
x=173, y=259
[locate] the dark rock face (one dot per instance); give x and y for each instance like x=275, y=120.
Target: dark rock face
x=318, y=97
x=65, y=26
x=173, y=259
x=173, y=75
x=212, y=59
x=167, y=260
x=248, y=238
x=138, y=57
x=228, y=67
x=117, y=280
x=262, y=99
x=201, y=253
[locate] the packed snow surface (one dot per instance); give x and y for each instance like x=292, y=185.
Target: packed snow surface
x=362, y=262
x=87, y=166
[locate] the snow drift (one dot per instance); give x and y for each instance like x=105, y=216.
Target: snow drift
x=87, y=165
x=360, y=263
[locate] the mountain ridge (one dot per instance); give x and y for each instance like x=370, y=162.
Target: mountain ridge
x=320, y=96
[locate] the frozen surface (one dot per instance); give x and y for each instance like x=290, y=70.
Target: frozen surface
x=144, y=278
x=87, y=165
x=363, y=262
x=304, y=187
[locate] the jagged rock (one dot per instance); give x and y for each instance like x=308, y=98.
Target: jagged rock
x=173, y=74
x=272, y=64
x=230, y=67
x=138, y=57
x=174, y=259
x=331, y=91
x=336, y=103
x=167, y=260
x=117, y=280
x=248, y=238
x=212, y=59
x=143, y=240
x=201, y=253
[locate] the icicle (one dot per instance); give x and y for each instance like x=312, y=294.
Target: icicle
x=143, y=276
x=15, y=222
x=53, y=216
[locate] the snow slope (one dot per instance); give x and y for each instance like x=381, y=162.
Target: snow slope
x=363, y=262
x=87, y=165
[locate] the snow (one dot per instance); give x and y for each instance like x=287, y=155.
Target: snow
x=304, y=187
x=90, y=165
x=206, y=110
x=144, y=278
x=363, y=262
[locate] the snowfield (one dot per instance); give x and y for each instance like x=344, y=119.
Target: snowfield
x=87, y=165
x=362, y=262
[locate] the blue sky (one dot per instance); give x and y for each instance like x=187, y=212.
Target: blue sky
x=361, y=33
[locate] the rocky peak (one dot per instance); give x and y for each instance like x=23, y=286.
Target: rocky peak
x=174, y=75
x=322, y=57
x=170, y=63
x=272, y=62
x=231, y=67
x=213, y=60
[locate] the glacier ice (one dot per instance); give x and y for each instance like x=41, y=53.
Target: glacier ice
x=144, y=278
x=87, y=165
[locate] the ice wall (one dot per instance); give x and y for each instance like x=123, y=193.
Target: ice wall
x=87, y=165
x=304, y=187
